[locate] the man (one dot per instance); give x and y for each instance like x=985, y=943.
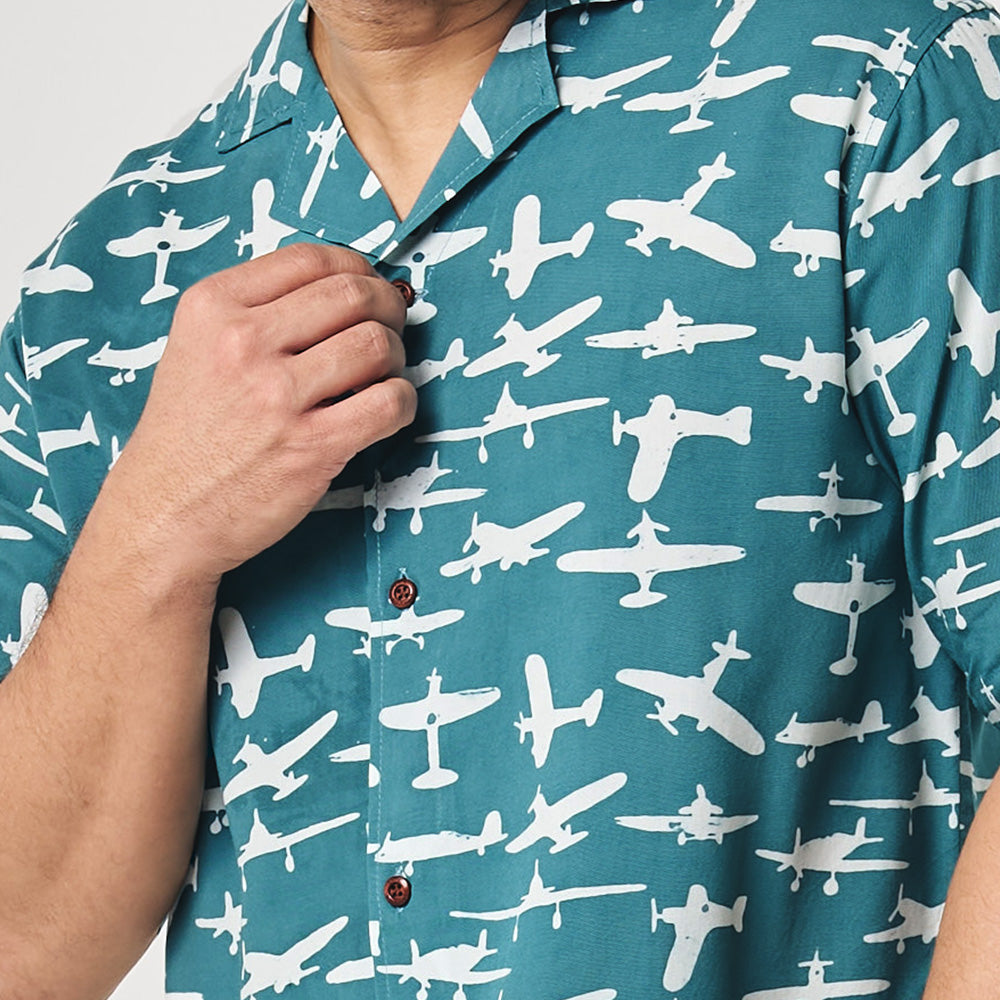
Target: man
x=476, y=722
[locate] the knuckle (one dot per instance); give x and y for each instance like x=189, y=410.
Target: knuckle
x=380, y=346
x=351, y=293
x=308, y=257
x=398, y=403
x=235, y=341
x=199, y=298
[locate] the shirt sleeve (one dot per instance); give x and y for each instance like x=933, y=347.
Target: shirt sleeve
x=921, y=230
x=33, y=540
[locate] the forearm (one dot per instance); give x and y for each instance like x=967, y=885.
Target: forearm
x=102, y=749
x=965, y=955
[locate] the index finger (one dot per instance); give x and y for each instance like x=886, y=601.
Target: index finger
x=268, y=278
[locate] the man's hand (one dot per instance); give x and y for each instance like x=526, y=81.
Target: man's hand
x=276, y=373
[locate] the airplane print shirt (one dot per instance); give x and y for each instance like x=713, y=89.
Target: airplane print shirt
x=700, y=503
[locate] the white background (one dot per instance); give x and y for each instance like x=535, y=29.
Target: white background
x=81, y=85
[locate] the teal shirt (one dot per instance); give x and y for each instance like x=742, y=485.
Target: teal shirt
x=700, y=503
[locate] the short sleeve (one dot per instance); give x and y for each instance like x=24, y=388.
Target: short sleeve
x=922, y=273
x=33, y=540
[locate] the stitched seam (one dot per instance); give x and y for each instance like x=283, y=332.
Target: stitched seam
x=928, y=47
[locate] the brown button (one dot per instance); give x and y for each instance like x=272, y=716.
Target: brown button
x=406, y=290
x=397, y=891
x=403, y=593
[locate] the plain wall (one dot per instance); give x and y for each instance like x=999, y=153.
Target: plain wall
x=83, y=84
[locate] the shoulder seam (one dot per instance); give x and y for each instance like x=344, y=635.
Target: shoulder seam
x=938, y=29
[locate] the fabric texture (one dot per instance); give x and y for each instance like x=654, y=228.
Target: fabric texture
x=700, y=501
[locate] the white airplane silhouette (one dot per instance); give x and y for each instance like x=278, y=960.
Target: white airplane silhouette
x=15, y=454
x=245, y=671
x=12, y=533
x=359, y=969
x=12, y=382
x=731, y=23
x=694, y=696
x=662, y=427
x=263, y=842
x=412, y=492
x=540, y=895
x=891, y=57
x=475, y=130
x=924, y=644
x=948, y=593
x=525, y=34
x=671, y=332
x=811, y=735
x=974, y=36
x=256, y=81
x=946, y=454
x=811, y=245
x=994, y=714
x=981, y=169
x=701, y=820
x=278, y=972
x=160, y=175
x=163, y=242
x=817, y=988
x=581, y=93
x=455, y=965
x=507, y=546
x=830, y=855
x=447, y=844
x=44, y=513
x=212, y=802
x=876, y=359
x=527, y=347
x=34, y=604
x=429, y=714
x=326, y=139
x=231, y=922
x=851, y=599
x=127, y=361
x=918, y=921
x=897, y=188
x=8, y=421
x=407, y=627
x=646, y=560
x=990, y=447
x=977, y=326
x=509, y=414
x=545, y=718
x=430, y=248
x=36, y=360
x=266, y=232
x=527, y=252
x=818, y=368
x=426, y=371
x=550, y=821
x=676, y=222
x=70, y=437
x=927, y=795
x=710, y=87
x=274, y=770
x=831, y=506
x=852, y=114
x=359, y=753
x=692, y=923
x=973, y=531
x=49, y=277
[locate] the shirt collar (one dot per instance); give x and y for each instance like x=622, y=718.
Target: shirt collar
x=327, y=190
x=264, y=95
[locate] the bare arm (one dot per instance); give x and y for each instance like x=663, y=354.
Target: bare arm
x=102, y=722
x=965, y=955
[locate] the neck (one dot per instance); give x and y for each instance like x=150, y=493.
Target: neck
x=401, y=73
